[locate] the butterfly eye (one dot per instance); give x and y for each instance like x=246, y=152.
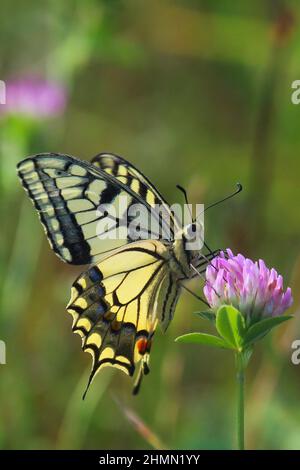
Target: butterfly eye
x=191, y=230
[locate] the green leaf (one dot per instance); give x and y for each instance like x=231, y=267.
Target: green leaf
x=258, y=330
x=207, y=315
x=203, y=338
x=230, y=324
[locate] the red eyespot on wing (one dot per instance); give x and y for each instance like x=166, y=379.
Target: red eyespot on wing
x=142, y=346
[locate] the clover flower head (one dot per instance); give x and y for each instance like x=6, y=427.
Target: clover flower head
x=255, y=290
x=34, y=97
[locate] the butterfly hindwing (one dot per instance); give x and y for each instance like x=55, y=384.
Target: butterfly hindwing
x=114, y=304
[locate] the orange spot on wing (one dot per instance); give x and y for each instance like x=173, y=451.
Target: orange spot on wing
x=142, y=346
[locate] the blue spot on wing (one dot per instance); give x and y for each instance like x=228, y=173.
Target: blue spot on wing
x=101, y=308
x=95, y=274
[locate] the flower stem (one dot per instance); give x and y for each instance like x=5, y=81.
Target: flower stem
x=240, y=377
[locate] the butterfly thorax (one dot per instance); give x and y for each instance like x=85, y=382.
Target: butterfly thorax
x=185, y=249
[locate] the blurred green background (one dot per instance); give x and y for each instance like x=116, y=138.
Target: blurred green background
x=191, y=92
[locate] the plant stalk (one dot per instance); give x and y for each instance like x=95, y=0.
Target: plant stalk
x=240, y=377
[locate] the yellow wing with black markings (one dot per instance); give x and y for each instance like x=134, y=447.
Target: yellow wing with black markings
x=124, y=171
x=68, y=194
x=117, y=304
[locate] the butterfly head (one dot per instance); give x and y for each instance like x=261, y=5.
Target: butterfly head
x=192, y=238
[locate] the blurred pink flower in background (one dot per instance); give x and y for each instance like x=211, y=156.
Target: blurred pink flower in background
x=34, y=97
x=251, y=287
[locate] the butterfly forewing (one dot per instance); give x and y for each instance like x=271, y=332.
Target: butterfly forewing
x=125, y=172
x=69, y=195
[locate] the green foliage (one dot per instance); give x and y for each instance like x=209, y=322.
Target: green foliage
x=203, y=338
x=207, y=315
x=261, y=328
x=235, y=335
x=230, y=324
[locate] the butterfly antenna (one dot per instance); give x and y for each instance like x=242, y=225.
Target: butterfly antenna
x=185, y=198
x=238, y=190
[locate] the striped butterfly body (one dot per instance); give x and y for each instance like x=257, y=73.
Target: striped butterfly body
x=129, y=289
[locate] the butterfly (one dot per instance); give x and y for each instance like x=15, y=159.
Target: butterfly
x=133, y=286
